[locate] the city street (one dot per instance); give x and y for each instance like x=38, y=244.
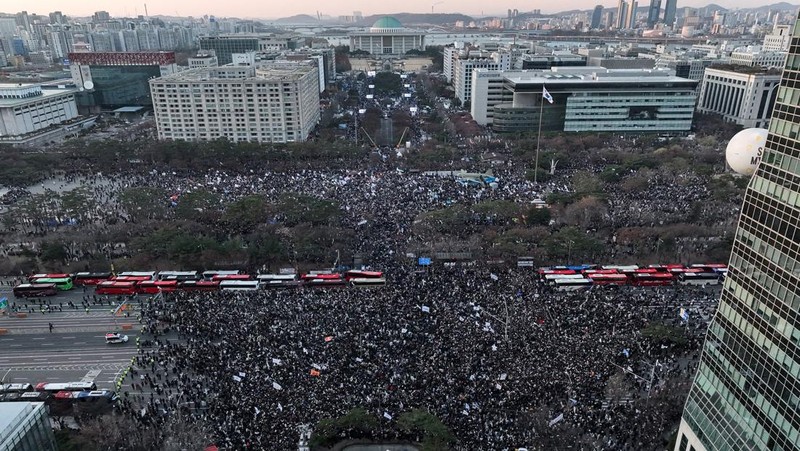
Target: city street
x=74, y=351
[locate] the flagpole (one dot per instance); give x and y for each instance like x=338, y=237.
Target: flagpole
x=538, y=138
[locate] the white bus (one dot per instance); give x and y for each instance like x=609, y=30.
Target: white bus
x=178, y=275
x=239, y=285
x=572, y=284
x=699, y=278
x=208, y=275
x=150, y=274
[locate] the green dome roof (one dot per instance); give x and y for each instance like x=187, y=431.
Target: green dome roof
x=387, y=22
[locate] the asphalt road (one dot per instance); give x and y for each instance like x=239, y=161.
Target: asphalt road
x=74, y=351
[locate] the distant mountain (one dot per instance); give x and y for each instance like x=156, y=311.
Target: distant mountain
x=419, y=19
x=409, y=19
x=297, y=19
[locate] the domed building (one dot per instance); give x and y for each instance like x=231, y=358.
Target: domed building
x=387, y=38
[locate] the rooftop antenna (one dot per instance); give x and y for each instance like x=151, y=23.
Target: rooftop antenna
x=145, y=11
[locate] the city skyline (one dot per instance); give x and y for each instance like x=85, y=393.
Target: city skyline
x=243, y=9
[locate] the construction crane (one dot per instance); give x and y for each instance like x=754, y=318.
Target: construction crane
x=437, y=3
x=369, y=137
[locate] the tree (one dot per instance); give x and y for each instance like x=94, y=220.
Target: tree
x=244, y=214
x=144, y=202
x=538, y=216
x=388, y=83
x=427, y=428
x=53, y=252
x=299, y=208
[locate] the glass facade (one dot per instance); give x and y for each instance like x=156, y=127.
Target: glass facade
x=118, y=86
x=746, y=394
x=25, y=427
x=225, y=46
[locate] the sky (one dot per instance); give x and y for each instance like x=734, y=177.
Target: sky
x=277, y=8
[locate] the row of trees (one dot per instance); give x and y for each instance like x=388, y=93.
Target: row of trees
x=417, y=425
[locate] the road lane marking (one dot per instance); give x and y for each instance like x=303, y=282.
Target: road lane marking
x=38, y=338
x=14, y=346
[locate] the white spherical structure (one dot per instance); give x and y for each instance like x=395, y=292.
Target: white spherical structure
x=744, y=150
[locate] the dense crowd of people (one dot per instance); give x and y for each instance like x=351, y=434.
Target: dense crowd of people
x=488, y=353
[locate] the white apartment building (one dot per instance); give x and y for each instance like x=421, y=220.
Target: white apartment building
x=269, y=102
x=462, y=72
x=738, y=96
x=755, y=56
x=778, y=40
x=28, y=108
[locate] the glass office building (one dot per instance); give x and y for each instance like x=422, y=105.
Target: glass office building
x=24, y=426
x=746, y=394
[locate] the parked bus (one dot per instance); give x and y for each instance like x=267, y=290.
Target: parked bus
x=700, y=278
x=325, y=281
x=115, y=288
x=278, y=280
x=321, y=276
x=90, y=278
x=133, y=279
x=29, y=290
x=178, y=275
x=608, y=278
x=150, y=275
x=655, y=279
x=61, y=283
x=208, y=275
x=156, y=286
x=239, y=285
x=367, y=281
x=35, y=277
x=572, y=284
x=198, y=285
x=551, y=278
x=65, y=386
x=356, y=274
x=15, y=388
x=221, y=277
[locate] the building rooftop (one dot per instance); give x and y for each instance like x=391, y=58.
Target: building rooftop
x=285, y=72
x=570, y=75
x=749, y=70
x=43, y=91
x=386, y=22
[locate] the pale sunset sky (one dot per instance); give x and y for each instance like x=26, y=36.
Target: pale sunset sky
x=276, y=8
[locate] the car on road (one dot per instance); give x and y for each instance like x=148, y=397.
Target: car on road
x=114, y=338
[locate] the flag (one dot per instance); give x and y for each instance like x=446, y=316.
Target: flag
x=684, y=314
x=257, y=411
x=314, y=372
x=494, y=276
x=546, y=95
x=277, y=386
x=329, y=338
x=555, y=420
x=280, y=407
x=387, y=416
x=277, y=361
x=3, y=303
x=426, y=309
x=237, y=378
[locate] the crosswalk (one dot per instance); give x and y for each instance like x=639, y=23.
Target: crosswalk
x=76, y=367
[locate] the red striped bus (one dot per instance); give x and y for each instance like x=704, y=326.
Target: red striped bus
x=608, y=279
x=357, y=274
x=33, y=278
x=652, y=279
x=29, y=290
x=156, y=286
x=90, y=278
x=113, y=287
x=133, y=279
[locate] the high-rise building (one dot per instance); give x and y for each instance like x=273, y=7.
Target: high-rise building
x=622, y=14
x=274, y=102
x=670, y=7
x=597, y=15
x=630, y=20
x=57, y=18
x=746, y=393
x=743, y=95
x=653, y=13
